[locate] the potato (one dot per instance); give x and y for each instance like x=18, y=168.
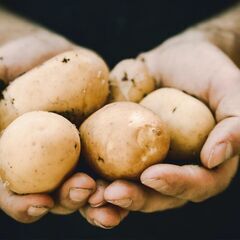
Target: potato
x=37, y=150
x=122, y=139
x=130, y=81
x=189, y=121
x=74, y=83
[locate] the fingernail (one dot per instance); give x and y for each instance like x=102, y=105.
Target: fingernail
x=36, y=211
x=97, y=223
x=79, y=194
x=219, y=154
x=157, y=184
x=122, y=202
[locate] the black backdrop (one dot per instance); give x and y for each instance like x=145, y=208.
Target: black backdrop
x=121, y=29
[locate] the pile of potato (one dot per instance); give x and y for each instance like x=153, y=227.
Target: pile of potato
x=55, y=111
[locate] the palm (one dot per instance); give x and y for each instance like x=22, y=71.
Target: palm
x=192, y=64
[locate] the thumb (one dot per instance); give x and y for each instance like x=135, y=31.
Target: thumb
x=223, y=142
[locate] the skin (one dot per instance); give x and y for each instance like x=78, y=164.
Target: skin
x=203, y=62
x=75, y=191
x=17, y=33
x=173, y=185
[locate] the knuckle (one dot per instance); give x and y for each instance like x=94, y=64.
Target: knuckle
x=180, y=190
x=174, y=188
x=81, y=180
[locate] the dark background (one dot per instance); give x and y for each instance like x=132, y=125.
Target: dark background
x=118, y=30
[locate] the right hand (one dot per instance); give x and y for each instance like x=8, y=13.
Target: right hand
x=16, y=59
x=73, y=195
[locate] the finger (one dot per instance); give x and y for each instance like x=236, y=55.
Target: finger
x=223, y=143
x=136, y=197
x=97, y=198
x=105, y=217
x=189, y=182
x=74, y=193
x=24, y=208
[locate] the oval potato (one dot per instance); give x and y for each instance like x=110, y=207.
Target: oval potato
x=189, y=121
x=130, y=81
x=37, y=150
x=122, y=139
x=74, y=83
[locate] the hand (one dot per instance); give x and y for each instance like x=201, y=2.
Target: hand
x=71, y=196
x=15, y=59
x=191, y=63
x=101, y=214
x=31, y=207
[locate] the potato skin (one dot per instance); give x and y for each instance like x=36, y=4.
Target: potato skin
x=37, y=150
x=122, y=139
x=130, y=81
x=189, y=121
x=74, y=83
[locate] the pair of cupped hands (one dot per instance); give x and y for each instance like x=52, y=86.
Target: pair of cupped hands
x=188, y=62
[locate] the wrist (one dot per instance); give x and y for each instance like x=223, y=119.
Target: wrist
x=224, y=32
x=228, y=21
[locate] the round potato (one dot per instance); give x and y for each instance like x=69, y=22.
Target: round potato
x=189, y=121
x=74, y=84
x=122, y=139
x=130, y=81
x=37, y=150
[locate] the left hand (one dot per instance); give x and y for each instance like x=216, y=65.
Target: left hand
x=172, y=186
x=88, y=197
x=191, y=63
